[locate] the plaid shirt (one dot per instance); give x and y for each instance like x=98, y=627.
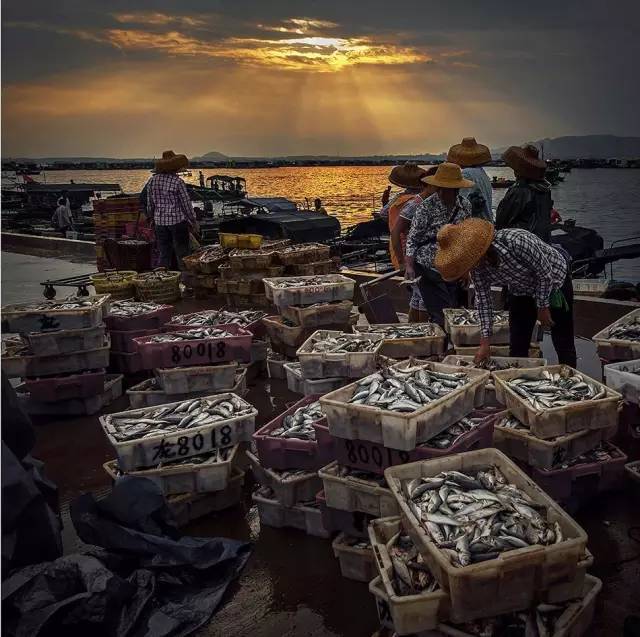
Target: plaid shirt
x=528, y=267
x=428, y=217
x=168, y=199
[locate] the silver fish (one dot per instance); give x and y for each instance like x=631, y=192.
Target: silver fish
x=129, y=307
x=339, y=344
x=189, y=335
x=410, y=573
x=471, y=317
x=301, y=282
x=218, y=317
x=627, y=330
x=299, y=424
x=401, y=330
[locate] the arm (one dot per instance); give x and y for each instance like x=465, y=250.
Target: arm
x=401, y=227
x=185, y=204
x=483, y=302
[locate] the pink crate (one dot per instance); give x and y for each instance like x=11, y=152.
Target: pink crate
x=288, y=453
x=326, y=443
x=58, y=388
x=198, y=351
x=374, y=457
x=628, y=435
x=122, y=341
x=125, y=363
x=354, y=523
x=580, y=482
x=148, y=321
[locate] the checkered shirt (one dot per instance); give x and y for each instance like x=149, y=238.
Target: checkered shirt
x=528, y=267
x=168, y=198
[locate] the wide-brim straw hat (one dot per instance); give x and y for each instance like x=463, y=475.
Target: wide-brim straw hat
x=171, y=162
x=409, y=175
x=525, y=161
x=469, y=153
x=448, y=175
x=461, y=246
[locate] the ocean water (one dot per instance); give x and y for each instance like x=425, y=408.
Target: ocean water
x=606, y=200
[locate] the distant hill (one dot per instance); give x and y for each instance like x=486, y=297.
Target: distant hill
x=586, y=147
x=212, y=156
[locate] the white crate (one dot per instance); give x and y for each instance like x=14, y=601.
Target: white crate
x=470, y=334
x=624, y=378
x=65, y=341
x=355, y=563
x=408, y=347
x=317, y=315
x=304, y=518
x=334, y=287
x=199, y=378
x=299, y=385
x=590, y=287
x=497, y=350
x=614, y=349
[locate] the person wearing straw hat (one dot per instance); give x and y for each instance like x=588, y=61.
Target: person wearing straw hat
x=169, y=202
x=536, y=275
x=442, y=207
x=527, y=204
x=471, y=156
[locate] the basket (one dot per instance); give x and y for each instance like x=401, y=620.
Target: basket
x=117, y=283
x=161, y=286
x=240, y=241
x=128, y=254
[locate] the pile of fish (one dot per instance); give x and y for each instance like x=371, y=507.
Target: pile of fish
x=132, y=242
x=210, y=253
x=133, y=308
x=156, y=421
x=628, y=331
x=157, y=275
x=189, y=335
x=471, y=317
x=405, y=390
x=342, y=344
x=402, y=330
x=411, y=575
x=475, y=517
x=286, y=475
x=70, y=303
x=554, y=389
x=212, y=457
x=602, y=453
x=299, y=424
x=489, y=364
x=300, y=282
x=13, y=345
x=218, y=317
x=359, y=475
x=251, y=253
x=451, y=435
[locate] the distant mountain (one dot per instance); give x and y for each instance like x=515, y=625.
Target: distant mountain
x=586, y=147
x=212, y=156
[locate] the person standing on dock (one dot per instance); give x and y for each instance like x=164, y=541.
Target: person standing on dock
x=170, y=204
x=62, y=219
x=527, y=204
x=536, y=275
x=201, y=179
x=445, y=206
x=385, y=196
x=471, y=157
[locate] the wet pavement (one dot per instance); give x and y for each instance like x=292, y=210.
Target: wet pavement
x=292, y=584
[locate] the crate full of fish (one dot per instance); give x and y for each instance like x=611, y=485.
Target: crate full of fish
x=354, y=490
x=297, y=384
x=327, y=266
x=145, y=437
x=207, y=472
x=573, y=481
x=50, y=343
x=494, y=540
x=571, y=618
x=353, y=523
x=283, y=331
x=328, y=354
x=404, y=340
x=125, y=362
x=497, y=350
x=307, y=290
x=58, y=388
x=304, y=516
x=624, y=378
x=289, y=486
x=198, y=378
x=112, y=390
x=557, y=399
x=463, y=326
x=303, y=253
x=74, y=313
x=195, y=346
x=474, y=431
x=408, y=598
x=318, y=315
x=405, y=404
x=515, y=439
x=355, y=557
x=130, y=315
x=122, y=341
x=290, y=442
x=252, y=259
x=22, y=362
x=620, y=341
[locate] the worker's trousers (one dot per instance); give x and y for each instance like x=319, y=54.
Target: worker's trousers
x=173, y=244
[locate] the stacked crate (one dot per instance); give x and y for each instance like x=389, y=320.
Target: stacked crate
x=61, y=355
x=202, y=270
x=110, y=219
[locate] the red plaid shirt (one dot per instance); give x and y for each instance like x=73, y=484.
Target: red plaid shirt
x=168, y=199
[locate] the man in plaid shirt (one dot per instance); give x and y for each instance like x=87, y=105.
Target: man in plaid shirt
x=169, y=202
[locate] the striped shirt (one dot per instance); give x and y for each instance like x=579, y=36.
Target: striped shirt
x=169, y=200
x=527, y=267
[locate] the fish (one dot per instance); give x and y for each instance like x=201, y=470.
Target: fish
x=401, y=330
x=189, y=335
x=463, y=317
x=627, y=330
x=473, y=517
x=218, y=317
x=410, y=575
x=356, y=543
x=70, y=303
x=602, y=453
x=451, y=435
x=299, y=424
x=489, y=364
x=129, y=307
x=341, y=344
x=301, y=281
x=360, y=476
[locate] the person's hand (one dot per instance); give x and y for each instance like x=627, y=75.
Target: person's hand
x=483, y=352
x=544, y=316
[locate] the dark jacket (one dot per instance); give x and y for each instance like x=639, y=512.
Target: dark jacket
x=527, y=205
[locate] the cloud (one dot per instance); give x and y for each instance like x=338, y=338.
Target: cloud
x=158, y=19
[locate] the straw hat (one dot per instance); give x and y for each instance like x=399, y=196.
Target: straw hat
x=461, y=246
x=407, y=176
x=448, y=175
x=469, y=153
x=171, y=162
x=525, y=161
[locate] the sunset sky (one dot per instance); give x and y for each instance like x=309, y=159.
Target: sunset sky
x=276, y=77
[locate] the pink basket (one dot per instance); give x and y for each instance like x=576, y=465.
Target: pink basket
x=198, y=351
x=148, y=321
x=354, y=523
x=60, y=388
x=125, y=363
x=122, y=341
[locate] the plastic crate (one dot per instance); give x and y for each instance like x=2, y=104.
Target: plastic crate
x=303, y=253
x=624, y=378
x=256, y=327
x=125, y=363
x=354, y=523
x=318, y=314
x=275, y=368
x=147, y=452
x=241, y=241
x=407, y=347
x=188, y=380
x=65, y=341
x=588, y=414
x=228, y=273
x=351, y=494
x=122, y=341
x=299, y=385
x=498, y=350
x=305, y=518
x=613, y=349
x=60, y=388
x=289, y=492
x=515, y=579
x=234, y=347
x=355, y=563
x=285, y=334
x=257, y=260
x=632, y=470
x=309, y=269
x=403, y=430
x=145, y=321
x=334, y=287
x=470, y=334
